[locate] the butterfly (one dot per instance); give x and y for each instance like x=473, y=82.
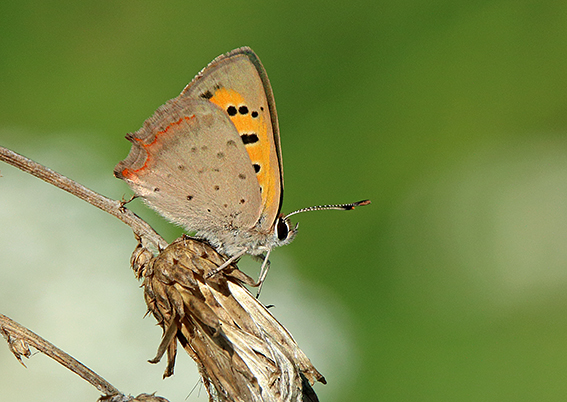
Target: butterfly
x=210, y=160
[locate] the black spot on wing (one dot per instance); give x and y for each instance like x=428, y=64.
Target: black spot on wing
x=207, y=95
x=249, y=138
x=231, y=110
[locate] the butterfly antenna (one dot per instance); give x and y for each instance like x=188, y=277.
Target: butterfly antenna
x=340, y=207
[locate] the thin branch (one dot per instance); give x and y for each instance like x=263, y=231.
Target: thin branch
x=20, y=337
x=113, y=207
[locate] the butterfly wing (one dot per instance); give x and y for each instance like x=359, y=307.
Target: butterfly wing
x=237, y=82
x=189, y=163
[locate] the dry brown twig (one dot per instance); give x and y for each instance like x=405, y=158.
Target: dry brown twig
x=20, y=339
x=242, y=352
x=113, y=207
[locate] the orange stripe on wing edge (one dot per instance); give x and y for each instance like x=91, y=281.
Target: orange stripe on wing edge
x=131, y=174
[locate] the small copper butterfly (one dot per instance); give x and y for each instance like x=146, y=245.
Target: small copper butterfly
x=210, y=160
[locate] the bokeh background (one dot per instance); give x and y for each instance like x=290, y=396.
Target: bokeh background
x=451, y=116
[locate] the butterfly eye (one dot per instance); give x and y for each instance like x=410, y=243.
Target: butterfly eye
x=282, y=229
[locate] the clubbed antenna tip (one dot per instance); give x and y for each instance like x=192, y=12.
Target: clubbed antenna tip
x=340, y=207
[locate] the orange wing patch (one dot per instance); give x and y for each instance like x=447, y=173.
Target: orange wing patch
x=252, y=126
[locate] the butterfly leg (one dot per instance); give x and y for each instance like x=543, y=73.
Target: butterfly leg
x=226, y=263
x=124, y=201
x=263, y=272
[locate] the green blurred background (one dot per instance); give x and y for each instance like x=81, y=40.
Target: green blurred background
x=450, y=116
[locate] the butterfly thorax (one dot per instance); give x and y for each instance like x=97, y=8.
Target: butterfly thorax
x=252, y=241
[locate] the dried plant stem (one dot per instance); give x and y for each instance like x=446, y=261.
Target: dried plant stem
x=113, y=207
x=16, y=334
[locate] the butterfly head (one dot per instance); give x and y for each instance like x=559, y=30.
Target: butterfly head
x=284, y=231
